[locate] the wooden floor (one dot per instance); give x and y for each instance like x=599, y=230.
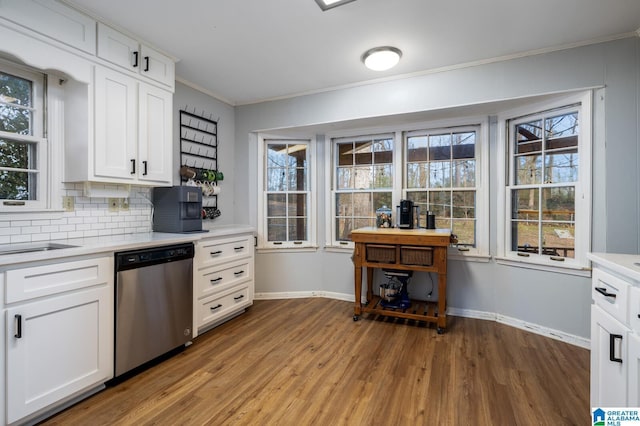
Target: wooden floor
x=306, y=362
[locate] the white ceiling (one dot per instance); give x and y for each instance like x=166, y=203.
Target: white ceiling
x=245, y=51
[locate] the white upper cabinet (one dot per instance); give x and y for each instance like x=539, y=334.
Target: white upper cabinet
x=54, y=20
x=132, y=55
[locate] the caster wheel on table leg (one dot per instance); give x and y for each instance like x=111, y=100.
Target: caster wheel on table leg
x=356, y=317
x=440, y=330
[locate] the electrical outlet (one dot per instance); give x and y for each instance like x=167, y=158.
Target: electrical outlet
x=124, y=204
x=68, y=203
x=114, y=204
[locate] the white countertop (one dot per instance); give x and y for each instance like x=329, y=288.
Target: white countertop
x=624, y=264
x=113, y=243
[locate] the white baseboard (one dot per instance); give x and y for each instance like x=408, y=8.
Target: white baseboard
x=457, y=312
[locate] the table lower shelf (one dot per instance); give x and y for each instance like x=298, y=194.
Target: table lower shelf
x=420, y=310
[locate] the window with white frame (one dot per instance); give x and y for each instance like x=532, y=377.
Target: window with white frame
x=362, y=182
x=441, y=177
x=287, y=204
x=547, y=192
x=23, y=149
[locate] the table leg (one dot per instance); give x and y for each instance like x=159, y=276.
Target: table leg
x=442, y=302
x=357, y=310
x=369, y=284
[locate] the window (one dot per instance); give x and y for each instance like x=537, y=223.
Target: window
x=23, y=150
x=441, y=169
x=362, y=182
x=287, y=203
x=547, y=192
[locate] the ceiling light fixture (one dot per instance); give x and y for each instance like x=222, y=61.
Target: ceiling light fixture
x=329, y=4
x=381, y=58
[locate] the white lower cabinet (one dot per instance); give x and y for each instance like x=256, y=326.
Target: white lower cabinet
x=60, y=345
x=615, y=331
x=223, y=279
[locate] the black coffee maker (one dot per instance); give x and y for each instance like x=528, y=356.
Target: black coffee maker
x=407, y=214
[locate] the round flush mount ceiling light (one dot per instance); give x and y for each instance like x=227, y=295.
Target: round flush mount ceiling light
x=381, y=58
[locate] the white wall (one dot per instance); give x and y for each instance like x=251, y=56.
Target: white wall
x=551, y=300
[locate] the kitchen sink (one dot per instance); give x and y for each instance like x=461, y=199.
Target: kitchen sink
x=31, y=248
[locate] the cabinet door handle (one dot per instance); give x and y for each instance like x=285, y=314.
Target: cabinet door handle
x=146, y=63
x=18, y=319
x=603, y=291
x=133, y=166
x=215, y=253
x=239, y=248
x=144, y=168
x=239, y=297
x=135, y=59
x=238, y=273
x=213, y=308
x=612, y=347
x=215, y=280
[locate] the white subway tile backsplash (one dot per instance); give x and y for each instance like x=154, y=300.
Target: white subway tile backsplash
x=91, y=218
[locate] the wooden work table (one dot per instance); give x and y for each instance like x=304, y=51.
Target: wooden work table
x=422, y=250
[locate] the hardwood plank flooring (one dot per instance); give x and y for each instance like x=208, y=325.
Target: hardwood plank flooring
x=306, y=362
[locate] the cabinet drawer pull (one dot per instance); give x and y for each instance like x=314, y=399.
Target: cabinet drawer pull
x=215, y=280
x=133, y=166
x=146, y=63
x=18, y=320
x=239, y=297
x=239, y=248
x=463, y=248
x=612, y=347
x=135, y=59
x=603, y=291
x=215, y=253
x=238, y=273
x=213, y=308
x=144, y=168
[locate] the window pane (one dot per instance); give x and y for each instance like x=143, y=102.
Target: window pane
x=381, y=199
x=525, y=236
x=297, y=155
x=525, y=204
x=345, y=179
x=276, y=155
x=440, y=147
x=559, y=203
x=383, y=176
x=297, y=205
x=276, y=205
x=363, y=222
x=15, y=100
x=464, y=204
x=344, y=226
x=562, y=131
x=297, y=179
x=464, y=173
x=417, y=148
x=440, y=204
x=417, y=175
x=558, y=239
x=277, y=229
x=561, y=167
x=528, y=169
x=344, y=204
x=363, y=178
x=345, y=154
x=383, y=151
x=439, y=174
x=529, y=137
x=18, y=155
x=464, y=145
x=466, y=231
x=362, y=205
x=276, y=179
x=363, y=153
x=297, y=229
x=18, y=185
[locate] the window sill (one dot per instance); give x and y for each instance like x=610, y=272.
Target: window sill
x=287, y=249
x=581, y=271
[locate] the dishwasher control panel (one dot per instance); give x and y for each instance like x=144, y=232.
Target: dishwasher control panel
x=154, y=255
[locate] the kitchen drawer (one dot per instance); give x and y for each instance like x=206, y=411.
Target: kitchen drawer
x=217, y=251
x=218, y=306
x=38, y=281
x=611, y=294
x=215, y=279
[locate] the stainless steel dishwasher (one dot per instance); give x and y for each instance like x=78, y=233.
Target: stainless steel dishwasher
x=153, y=303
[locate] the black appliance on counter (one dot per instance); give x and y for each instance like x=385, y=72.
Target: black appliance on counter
x=177, y=209
x=407, y=214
